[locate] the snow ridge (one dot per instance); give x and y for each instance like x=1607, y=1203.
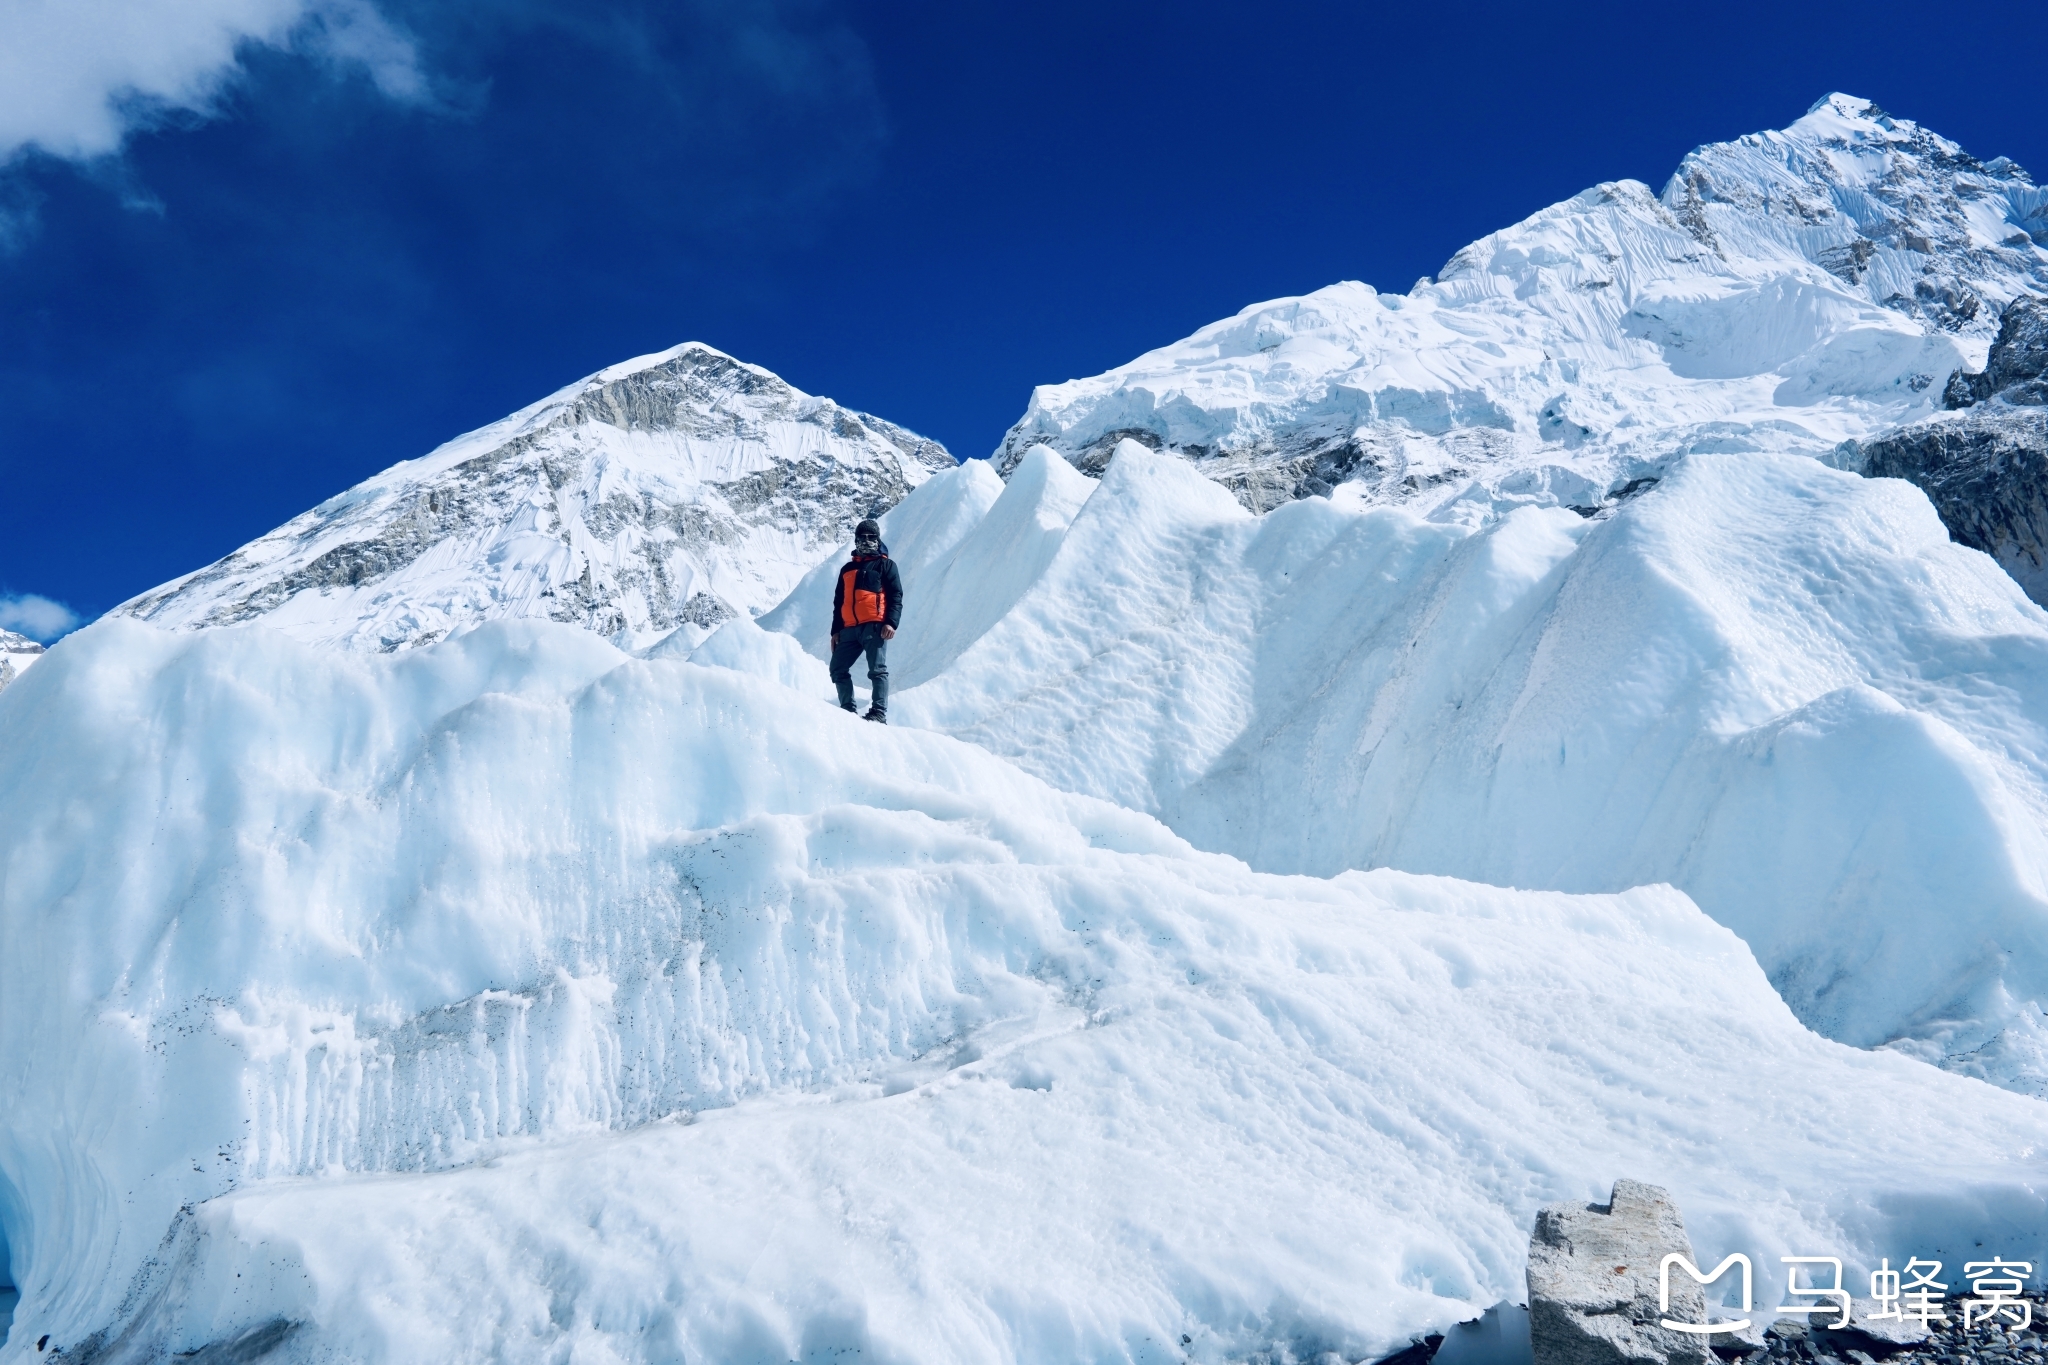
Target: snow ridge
x=1777, y=686
x=514, y=999
x=677, y=489
x=1788, y=291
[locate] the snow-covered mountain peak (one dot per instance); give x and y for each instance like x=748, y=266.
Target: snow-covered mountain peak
x=1787, y=291
x=1895, y=211
x=17, y=652
x=674, y=489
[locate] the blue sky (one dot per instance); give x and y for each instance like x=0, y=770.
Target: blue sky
x=254, y=250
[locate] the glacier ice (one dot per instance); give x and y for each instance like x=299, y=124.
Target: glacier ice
x=1776, y=685
x=513, y=998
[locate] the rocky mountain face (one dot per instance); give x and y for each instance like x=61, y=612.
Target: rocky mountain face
x=1984, y=464
x=17, y=652
x=1788, y=291
x=2017, y=370
x=674, y=490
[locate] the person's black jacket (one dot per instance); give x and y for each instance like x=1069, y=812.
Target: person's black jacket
x=870, y=577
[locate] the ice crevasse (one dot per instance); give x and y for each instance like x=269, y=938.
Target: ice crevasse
x=514, y=998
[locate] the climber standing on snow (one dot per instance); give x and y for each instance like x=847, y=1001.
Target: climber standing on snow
x=867, y=604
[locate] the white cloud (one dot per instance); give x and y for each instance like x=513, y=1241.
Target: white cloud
x=76, y=76
x=36, y=617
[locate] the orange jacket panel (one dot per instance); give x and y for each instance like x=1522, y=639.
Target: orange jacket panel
x=858, y=606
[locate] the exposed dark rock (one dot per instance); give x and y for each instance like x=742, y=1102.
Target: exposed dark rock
x=705, y=610
x=1309, y=461
x=1985, y=467
x=1949, y=1342
x=2017, y=369
x=1616, y=496
x=1849, y=261
x=1945, y=303
x=1986, y=472
x=1964, y=389
x=1093, y=458
x=245, y=1347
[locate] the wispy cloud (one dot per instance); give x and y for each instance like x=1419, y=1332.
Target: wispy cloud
x=35, y=616
x=743, y=80
x=78, y=76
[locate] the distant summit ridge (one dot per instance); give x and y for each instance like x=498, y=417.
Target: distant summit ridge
x=675, y=489
x=1894, y=210
x=1799, y=291
x=17, y=652
x=1788, y=291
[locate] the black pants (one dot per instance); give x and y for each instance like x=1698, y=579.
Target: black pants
x=853, y=642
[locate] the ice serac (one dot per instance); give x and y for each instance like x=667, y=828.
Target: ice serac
x=672, y=491
x=514, y=999
x=920, y=532
x=970, y=547
x=1787, y=292
x=1596, y=1283
x=1984, y=464
x=1776, y=685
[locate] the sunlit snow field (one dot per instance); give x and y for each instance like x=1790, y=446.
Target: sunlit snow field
x=1257, y=907
x=835, y=1033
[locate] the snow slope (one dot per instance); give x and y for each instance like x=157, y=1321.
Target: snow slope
x=1778, y=686
x=675, y=490
x=513, y=999
x=1787, y=292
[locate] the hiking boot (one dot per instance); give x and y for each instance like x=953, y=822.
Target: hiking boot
x=878, y=715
